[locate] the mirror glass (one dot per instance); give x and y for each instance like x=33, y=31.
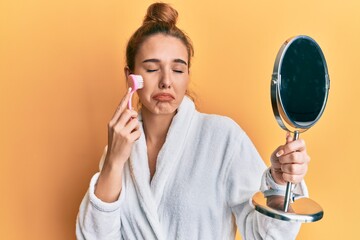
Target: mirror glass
x=303, y=87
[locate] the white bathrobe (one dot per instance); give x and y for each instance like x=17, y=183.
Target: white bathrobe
x=206, y=174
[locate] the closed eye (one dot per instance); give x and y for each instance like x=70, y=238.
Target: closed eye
x=151, y=70
x=178, y=71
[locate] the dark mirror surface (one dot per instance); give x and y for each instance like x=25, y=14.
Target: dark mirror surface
x=303, y=89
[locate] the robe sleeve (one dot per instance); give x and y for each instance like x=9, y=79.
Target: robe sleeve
x=246, y=174
x=97, y=219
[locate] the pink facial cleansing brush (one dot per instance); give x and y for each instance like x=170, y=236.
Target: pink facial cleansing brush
x=135, y=82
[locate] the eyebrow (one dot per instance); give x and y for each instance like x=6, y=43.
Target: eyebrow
x=177, y=60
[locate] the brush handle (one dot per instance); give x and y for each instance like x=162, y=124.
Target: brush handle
x=130, y=100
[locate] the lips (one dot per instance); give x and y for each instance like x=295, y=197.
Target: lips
x=163, y=97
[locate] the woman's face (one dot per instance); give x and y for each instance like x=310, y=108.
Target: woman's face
x=162, y=61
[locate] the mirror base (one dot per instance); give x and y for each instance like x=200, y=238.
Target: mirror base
x=302, y=210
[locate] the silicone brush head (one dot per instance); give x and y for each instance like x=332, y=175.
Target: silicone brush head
x=135, y=82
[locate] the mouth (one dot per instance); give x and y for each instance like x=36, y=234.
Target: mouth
x=163, y=97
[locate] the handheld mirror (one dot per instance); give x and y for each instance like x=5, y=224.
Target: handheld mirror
x=299, y=91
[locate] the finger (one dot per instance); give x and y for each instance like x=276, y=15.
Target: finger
x=275, y=162
x=126, y=116
x=122, y=106
x=276, y=165
x=132, y=125
x=127, y=124
x=129, y=133
x=288, y=137
x=119, y=128
x=281, y=150
x=294, y=157
x=277, y=153
x=292, y=178
x=294, y=169
x=134, y=134
x=294, y=146
x=137, y=127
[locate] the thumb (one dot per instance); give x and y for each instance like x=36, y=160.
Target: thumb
x=280, y=151
x=289, y=137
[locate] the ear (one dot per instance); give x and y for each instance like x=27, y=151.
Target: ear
x=127, y=71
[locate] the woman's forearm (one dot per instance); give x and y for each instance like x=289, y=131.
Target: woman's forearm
x=109, y=184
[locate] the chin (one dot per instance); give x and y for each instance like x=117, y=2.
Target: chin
x=162, y=108
x=165, y=110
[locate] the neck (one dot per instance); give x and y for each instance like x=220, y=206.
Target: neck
x=156, y=126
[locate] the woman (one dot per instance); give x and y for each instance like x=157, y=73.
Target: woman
x=171, y=172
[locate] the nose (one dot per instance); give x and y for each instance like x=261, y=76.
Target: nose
x=165, y=80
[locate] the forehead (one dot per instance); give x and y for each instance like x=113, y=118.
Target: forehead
x=162, y=47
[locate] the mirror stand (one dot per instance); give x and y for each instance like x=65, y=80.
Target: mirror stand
x=286, y=207
x=302, y=210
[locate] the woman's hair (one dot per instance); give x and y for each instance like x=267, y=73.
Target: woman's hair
x=160, y=18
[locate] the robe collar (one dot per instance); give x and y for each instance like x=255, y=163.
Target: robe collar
x=150, y=193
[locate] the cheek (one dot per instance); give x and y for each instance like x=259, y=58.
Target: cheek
x=184, y=85
x=144, y=94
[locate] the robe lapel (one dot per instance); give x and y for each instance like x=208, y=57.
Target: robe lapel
x=140, y=174
x=169, y=155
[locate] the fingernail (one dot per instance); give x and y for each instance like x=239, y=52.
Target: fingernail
x=279, y=153
x=129, y=90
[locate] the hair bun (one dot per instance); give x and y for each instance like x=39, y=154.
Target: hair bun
x=161, y=12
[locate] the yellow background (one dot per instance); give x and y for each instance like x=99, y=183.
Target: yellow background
x=61, y=77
